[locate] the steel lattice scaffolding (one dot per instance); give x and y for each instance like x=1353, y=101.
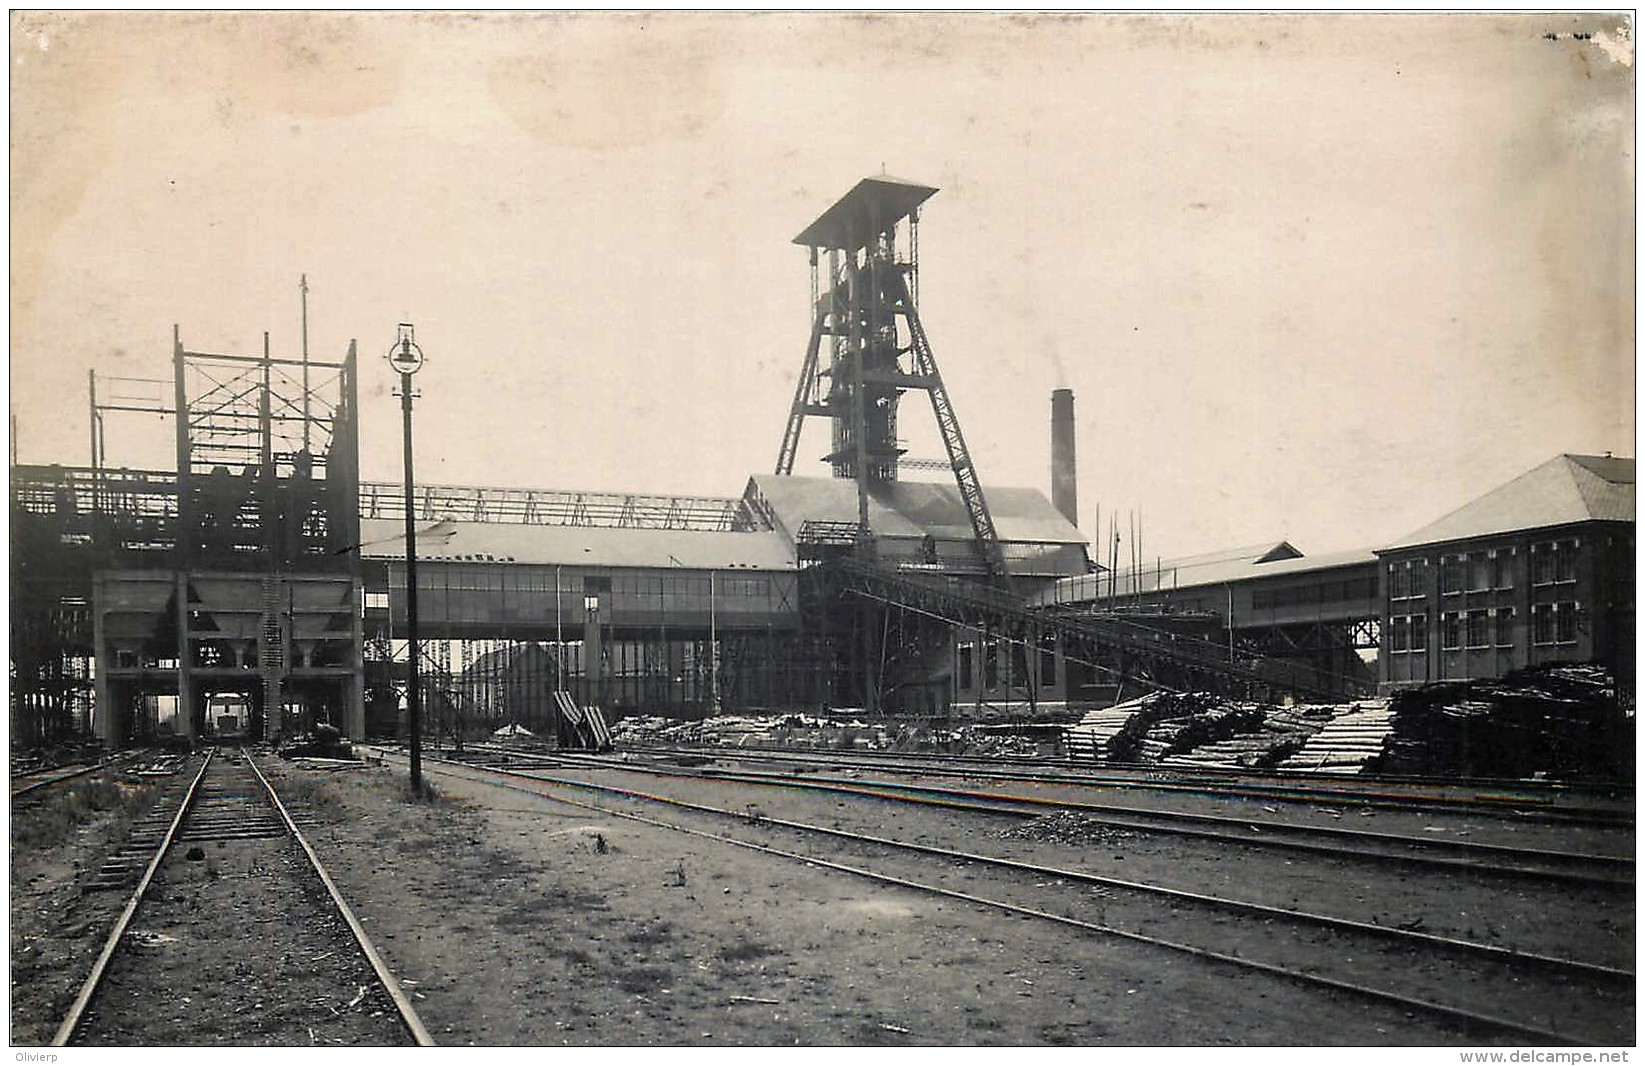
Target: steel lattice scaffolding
x=877, y=350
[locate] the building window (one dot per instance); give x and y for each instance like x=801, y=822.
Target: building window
x=1450, y=574
x=1542, y=623
x=1565, y=623
x=967, y=666
x=1419, y=632
x=1504, y=627
x=1048, y=662
x=1502, y=566
x=1479, y=571
x=991, y=665
x=1565, y=561
x=1542, y=564
x=1399, y=633
x=1450, y=630
x=1479, y=629
x=1399, y=581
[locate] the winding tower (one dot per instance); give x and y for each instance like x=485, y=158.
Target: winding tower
x=864, y=297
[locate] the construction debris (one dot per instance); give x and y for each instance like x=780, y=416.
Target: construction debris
x=812, y=733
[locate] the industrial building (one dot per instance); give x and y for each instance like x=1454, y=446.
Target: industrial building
x=1538, y=570
x=260, y=587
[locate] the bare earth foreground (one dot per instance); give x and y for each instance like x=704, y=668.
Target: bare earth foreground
x=517, y=920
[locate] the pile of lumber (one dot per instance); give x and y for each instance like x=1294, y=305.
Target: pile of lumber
x=1351, y=738
x=1563, y=722
x=1089, y=738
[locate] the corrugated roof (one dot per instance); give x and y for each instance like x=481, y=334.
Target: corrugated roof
x=1266, y=552
x=384, y=538
x=916, y=509
x=1220, y=568
x=1565, y=489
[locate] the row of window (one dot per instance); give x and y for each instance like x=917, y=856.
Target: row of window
x=1361, y=588
x=542, y=580
x=1552, y=563
x=1551, y=623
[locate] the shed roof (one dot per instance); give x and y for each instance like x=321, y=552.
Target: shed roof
x=916, y=509
x=447, y=541
x=1565, y=489
x=1201, y=571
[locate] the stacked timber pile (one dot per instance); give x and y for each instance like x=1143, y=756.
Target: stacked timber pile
x=1349, y=740
x=1281, y=732
x=1089, y=739
x=1174, y=723
x=1563, y=722
x=1202, y=730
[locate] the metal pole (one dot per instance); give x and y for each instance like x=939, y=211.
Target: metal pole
x=1230, y=622
x=413, y=695
x=302, y=285
x=713, y=653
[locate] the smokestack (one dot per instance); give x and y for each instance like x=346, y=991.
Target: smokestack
x=1064, y=495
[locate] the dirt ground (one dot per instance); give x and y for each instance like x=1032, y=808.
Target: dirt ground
x=517, y=920
x=56, y=927
x=523, y=921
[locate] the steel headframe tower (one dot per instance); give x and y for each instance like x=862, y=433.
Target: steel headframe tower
x=877, y=350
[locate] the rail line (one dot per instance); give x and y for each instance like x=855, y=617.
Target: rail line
x=1498, y=859
x=1519, y=799
x=1565, y=969
x=33, y=788
x=220, y=805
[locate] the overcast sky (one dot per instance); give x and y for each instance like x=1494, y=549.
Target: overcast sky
x=1322, y=278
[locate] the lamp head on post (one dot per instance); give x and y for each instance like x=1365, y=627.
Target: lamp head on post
x=405, y=357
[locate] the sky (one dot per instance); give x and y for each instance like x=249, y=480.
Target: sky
x=1319, y=278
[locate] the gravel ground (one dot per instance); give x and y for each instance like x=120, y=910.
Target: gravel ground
x=517, y=920
x=1471, y=826
x=1588, y=922
x=595, y=930
x=241, y=948
x=56, y=926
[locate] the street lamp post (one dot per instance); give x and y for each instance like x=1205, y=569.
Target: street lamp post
x=406, y=358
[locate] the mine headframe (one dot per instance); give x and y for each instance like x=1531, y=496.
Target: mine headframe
x=864, y=287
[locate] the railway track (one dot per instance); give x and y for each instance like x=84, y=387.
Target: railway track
x=1529, y=801
x=1479, y=988
x=36, y=785
x=233, y=933
x=1540, y=863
